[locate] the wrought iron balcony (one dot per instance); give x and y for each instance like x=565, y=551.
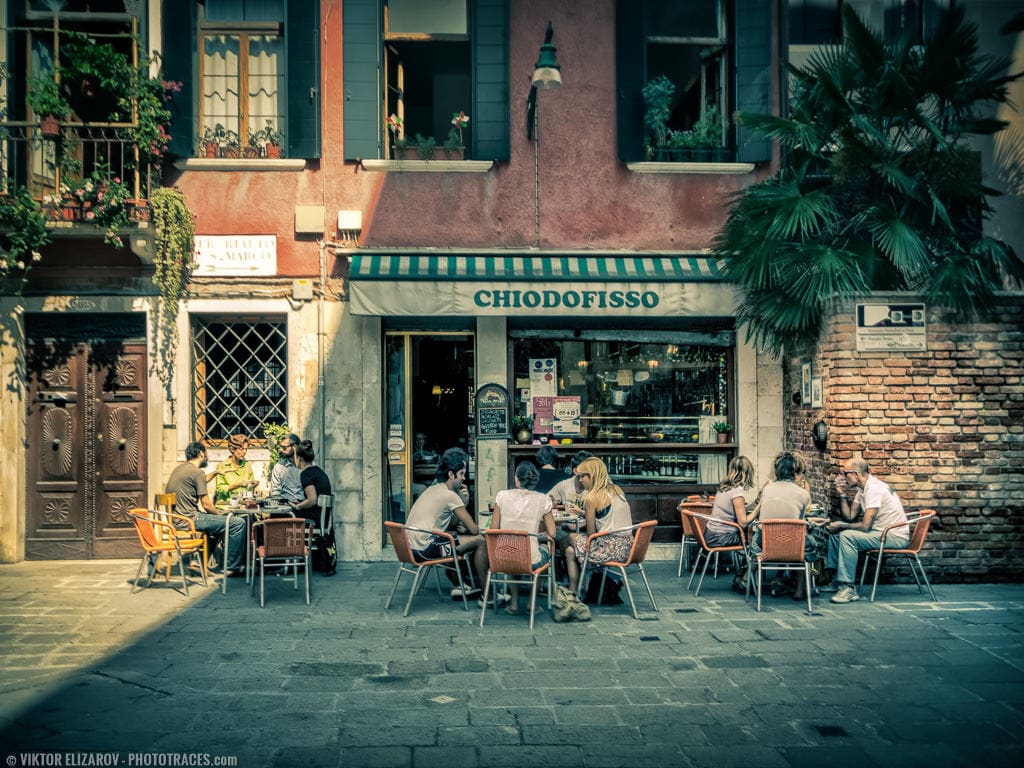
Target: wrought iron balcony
x=87, y=178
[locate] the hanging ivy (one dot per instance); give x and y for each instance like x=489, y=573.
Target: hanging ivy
x=175, y=229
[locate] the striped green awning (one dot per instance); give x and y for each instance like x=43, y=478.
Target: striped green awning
x=633, y=269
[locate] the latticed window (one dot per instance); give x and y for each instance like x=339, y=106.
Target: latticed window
x=240, y=377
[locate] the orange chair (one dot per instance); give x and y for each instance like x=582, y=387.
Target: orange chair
x=699, y=522
x=163, y=505
x=285, y=541
x=694, y=504
x=510, y=561
x=921, y=522
x=782, y=548
x=642, y=534
x=418, y=570
x=159, y=537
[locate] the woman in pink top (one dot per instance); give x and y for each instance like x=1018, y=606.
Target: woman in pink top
x=524, y=509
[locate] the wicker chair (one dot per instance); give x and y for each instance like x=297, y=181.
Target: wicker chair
x=510, y=561
x=286, y=541
x=418, y=569
x=158, y=536
x=782, y=548
x=689, y=538
x=699, y=523
x=921, y=523
x=642, y=534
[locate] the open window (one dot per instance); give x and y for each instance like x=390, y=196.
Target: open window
x=422, y=63
x=250, y=74
x=703, y=60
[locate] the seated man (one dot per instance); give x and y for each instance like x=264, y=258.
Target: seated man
x=188, y=483
x=881, y=508
x=285, y=484
x=435, y=509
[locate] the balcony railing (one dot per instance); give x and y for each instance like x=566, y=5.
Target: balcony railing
x=55, y=168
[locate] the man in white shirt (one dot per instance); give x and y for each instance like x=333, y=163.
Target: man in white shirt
x=881, y=508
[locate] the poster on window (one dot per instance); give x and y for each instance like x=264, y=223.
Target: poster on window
x=565, y=415
x=543, y=377
x=542, y=408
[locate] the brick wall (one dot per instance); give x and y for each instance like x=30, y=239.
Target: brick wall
x=944, y=428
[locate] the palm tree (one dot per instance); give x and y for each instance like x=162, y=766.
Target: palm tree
x=879, y=189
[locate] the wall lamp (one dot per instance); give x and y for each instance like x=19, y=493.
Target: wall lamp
x=546, y=74
x=819, y=434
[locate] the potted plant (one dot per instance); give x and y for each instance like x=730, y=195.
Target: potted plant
x=48, y=104
x=220, y=142
x=267, y=140
x=723, y=428
x=103, y=198
x=708, y=131
x=657, y=94
x=453, y=147
x=522, y=428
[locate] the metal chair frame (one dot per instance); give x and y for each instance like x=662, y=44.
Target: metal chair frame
x=642, y=534
x=418, y=569
x=689, y=538
x=783, y=550
x=510, y=561
x=700, y=522
x=921, y=522
x=160, y=536
x=287, y=541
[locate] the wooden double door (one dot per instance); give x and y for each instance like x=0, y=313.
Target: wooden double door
x=86, y=462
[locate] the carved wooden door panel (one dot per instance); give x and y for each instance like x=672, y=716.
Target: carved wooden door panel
x=86, y=449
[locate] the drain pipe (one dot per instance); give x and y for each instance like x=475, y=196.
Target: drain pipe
x=320, y=343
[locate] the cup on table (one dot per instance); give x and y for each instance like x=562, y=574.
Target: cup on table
x=233, y=502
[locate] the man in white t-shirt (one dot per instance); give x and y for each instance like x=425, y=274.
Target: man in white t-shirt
x=881, y=508
x=434, y=510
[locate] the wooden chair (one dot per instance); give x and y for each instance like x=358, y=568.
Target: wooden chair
x=285, y=541
x=164, y=505
x=689, y=538
x=642, y=534
x=782, y=548
x=510, y=561
x=418, y=569
x=159, y=536
x=921, y=522
x=699, y=523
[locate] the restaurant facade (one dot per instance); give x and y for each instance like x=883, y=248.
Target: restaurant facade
x=557, y=268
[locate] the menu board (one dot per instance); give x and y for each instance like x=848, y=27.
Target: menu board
x=492, y=412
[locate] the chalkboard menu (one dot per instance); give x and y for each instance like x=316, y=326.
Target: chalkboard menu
x=492, y=411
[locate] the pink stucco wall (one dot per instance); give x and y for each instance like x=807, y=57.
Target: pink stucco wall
x=588, y=199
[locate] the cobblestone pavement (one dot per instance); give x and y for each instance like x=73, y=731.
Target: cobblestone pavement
x=90, y=674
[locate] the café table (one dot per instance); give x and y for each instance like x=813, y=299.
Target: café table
x=249, y=513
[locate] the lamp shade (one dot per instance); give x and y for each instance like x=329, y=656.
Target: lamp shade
x=546, y=74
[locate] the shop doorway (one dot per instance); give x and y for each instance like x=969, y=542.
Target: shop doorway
x=86, y=448
x=428, y=408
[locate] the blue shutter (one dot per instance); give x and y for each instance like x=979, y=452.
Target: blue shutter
x=630, y=62
x=490, y=51
x=361, y=38
x=753, y=71
x=302, y=51
x=179, y=62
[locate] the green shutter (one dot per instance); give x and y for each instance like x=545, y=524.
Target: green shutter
x=753, y=69
x=302, y=42
x=179, y=60
x=489, y=36
x=630, y=47
x=361, y=38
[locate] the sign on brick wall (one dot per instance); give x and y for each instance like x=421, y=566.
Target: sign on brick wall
x=891, y=327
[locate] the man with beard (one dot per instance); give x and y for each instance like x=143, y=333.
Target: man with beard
x=188, y=483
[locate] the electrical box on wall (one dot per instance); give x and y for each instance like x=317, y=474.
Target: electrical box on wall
x=309, y=219
x=302, y=289
x=350, y=221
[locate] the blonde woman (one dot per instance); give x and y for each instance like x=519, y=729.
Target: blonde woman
x=605, y=509
x=234, y=474
x=731, y=504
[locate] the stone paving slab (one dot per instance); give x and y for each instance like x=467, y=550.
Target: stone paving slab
x=87, y=667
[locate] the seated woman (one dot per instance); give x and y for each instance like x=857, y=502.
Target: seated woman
x=787, y=498
x=314, y=480
x=605, y=509
x=550, y=475
x=730, y=504
x=234, y=474
x=524, y=509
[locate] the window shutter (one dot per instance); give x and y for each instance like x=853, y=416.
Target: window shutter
x=753, y=74
x=361, y=39
x=302, y=41
x=629, y=77
x=489, y=40
x=178, y=62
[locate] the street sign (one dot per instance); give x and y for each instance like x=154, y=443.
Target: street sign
x=891, y=327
